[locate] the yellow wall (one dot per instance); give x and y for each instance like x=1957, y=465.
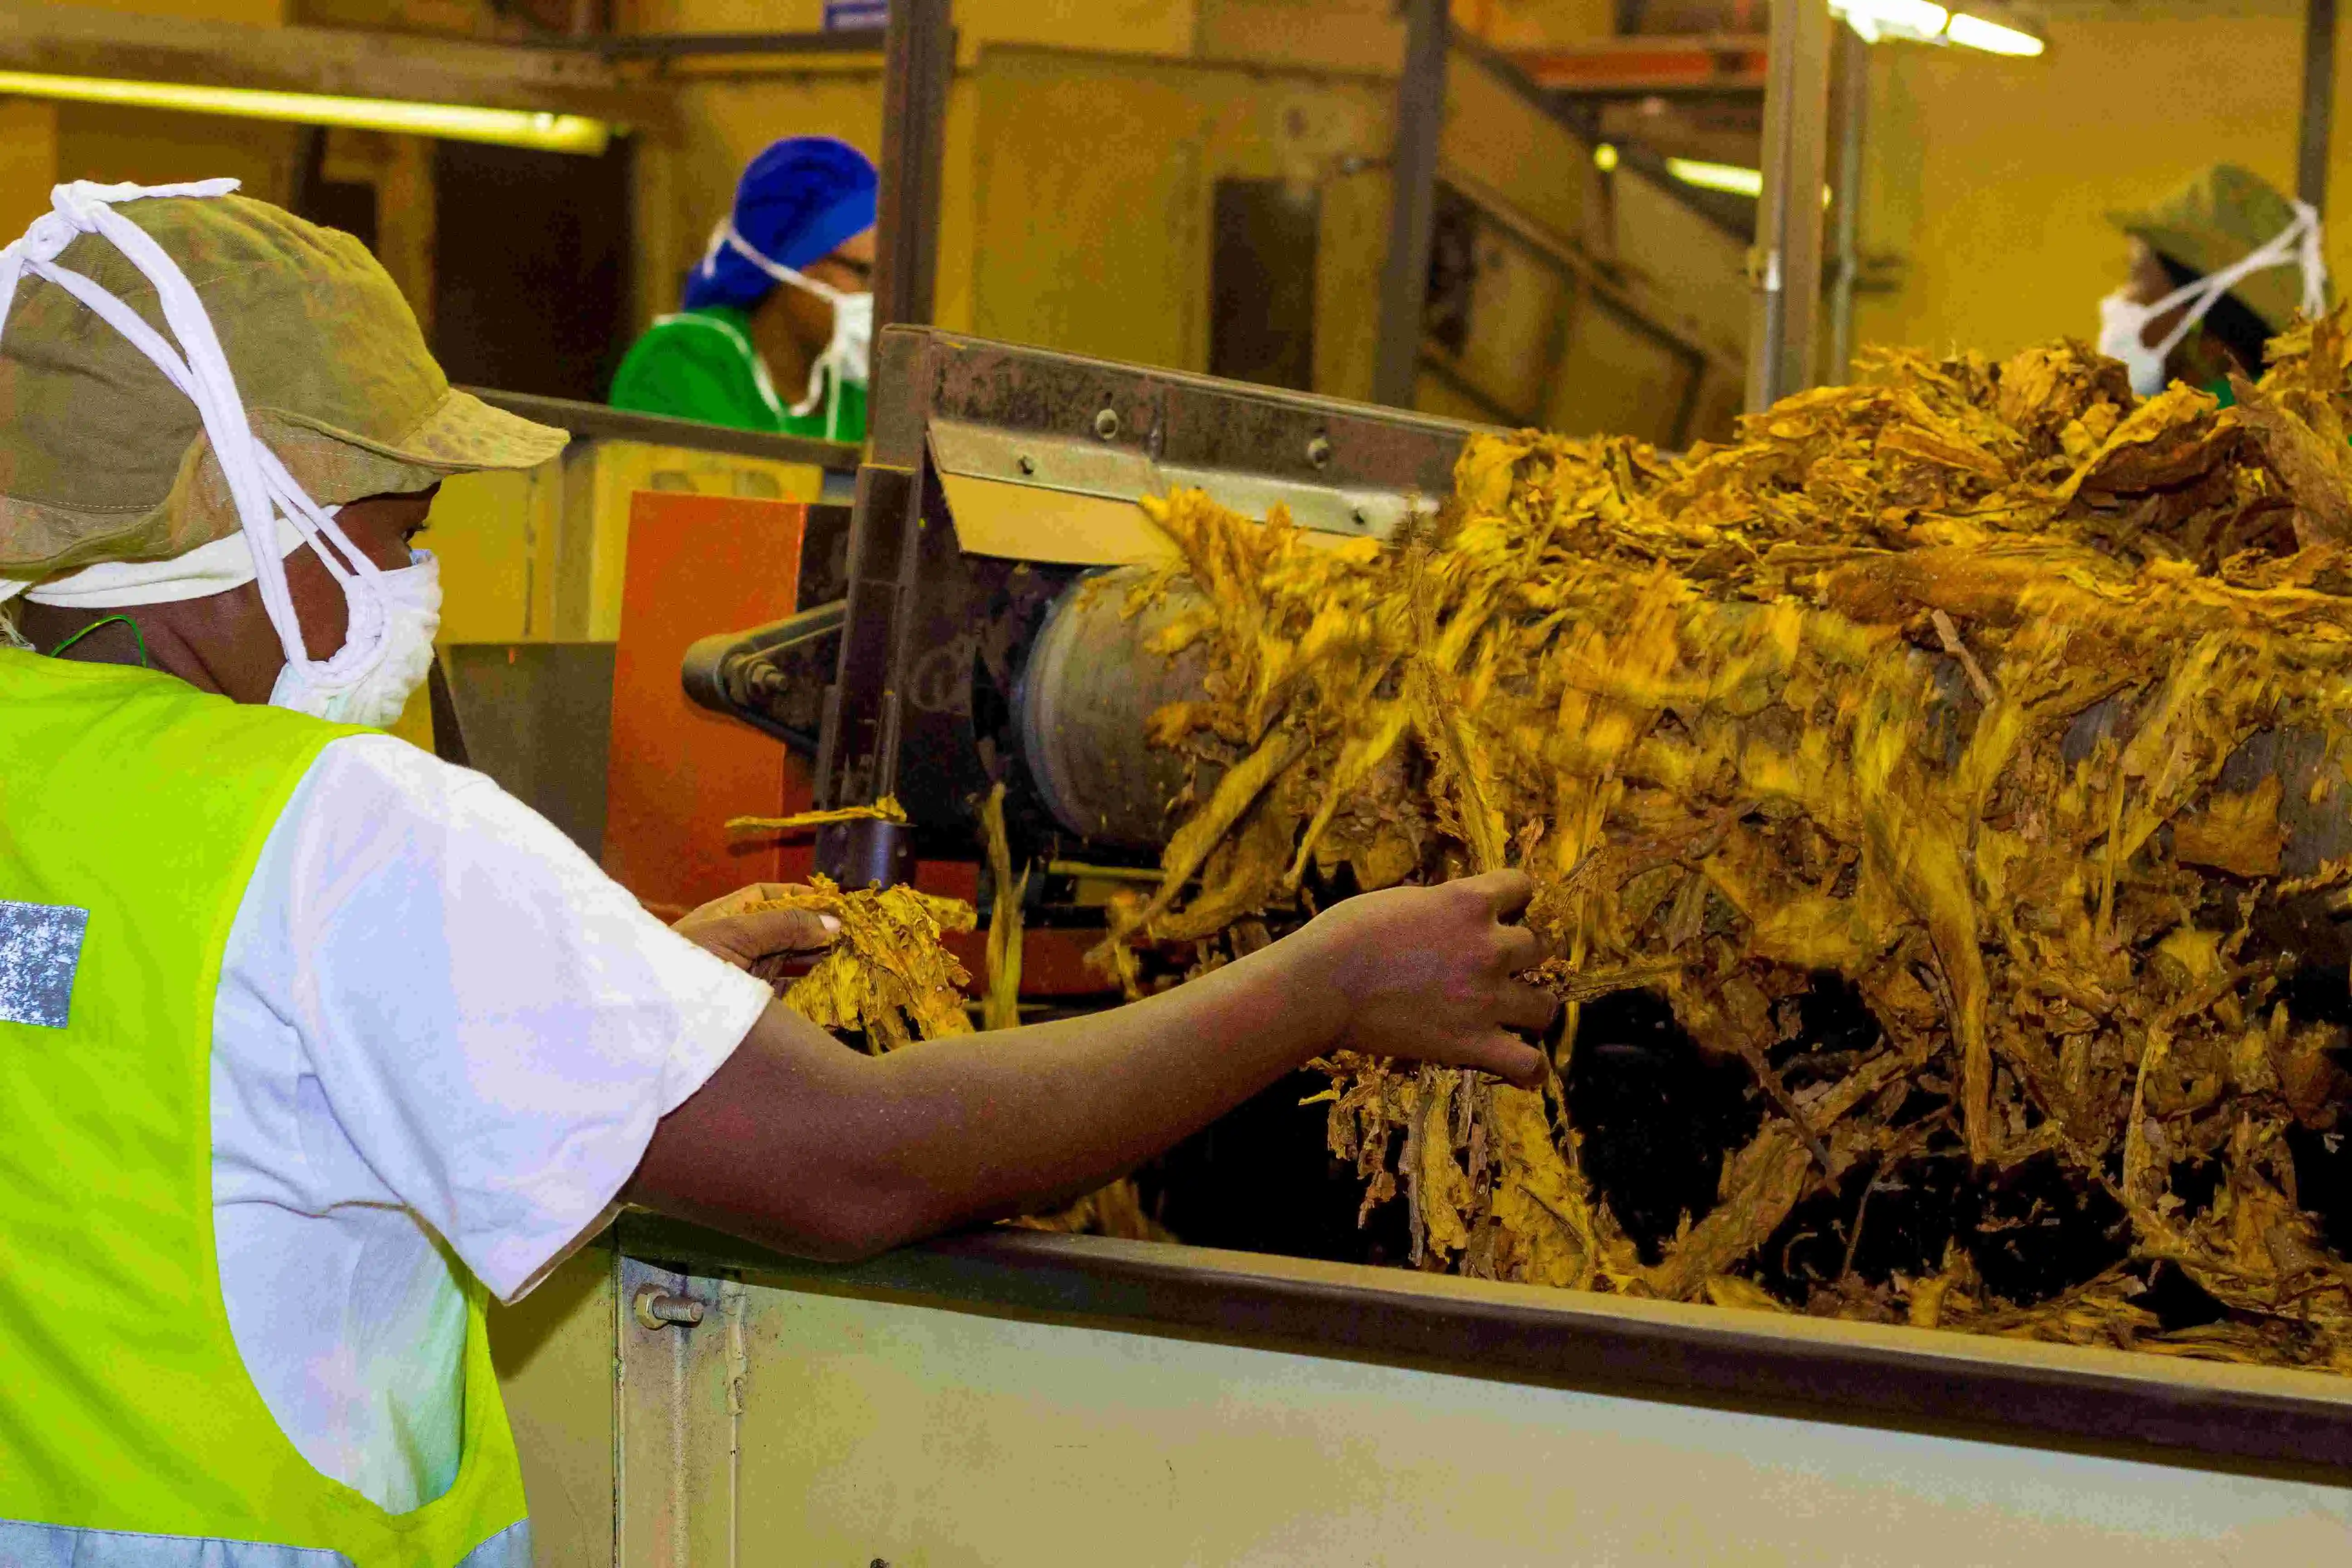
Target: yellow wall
x=1536, y=24
x=1991, y=177
x=156, y=146
x=1100, y=243
x=1338, y=35
x=1366, y=34
x=29, y=161
x=685, y=179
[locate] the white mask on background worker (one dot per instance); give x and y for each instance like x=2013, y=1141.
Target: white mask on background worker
x=800, y=230
x=392, y=614
x=848, y=353
x=2125, y=322
x=2123, y=326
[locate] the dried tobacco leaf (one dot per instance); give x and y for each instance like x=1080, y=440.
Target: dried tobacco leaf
x=1001, y=1005
x=1924, y=685
x=886, y=978
x=885, y=809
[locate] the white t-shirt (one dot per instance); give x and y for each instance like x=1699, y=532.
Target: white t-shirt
x=442, y=1038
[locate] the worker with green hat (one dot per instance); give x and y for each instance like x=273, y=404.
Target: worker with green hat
x=310, y=1044
x=2211, y=282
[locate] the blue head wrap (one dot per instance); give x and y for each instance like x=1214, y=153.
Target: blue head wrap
x=796, y=202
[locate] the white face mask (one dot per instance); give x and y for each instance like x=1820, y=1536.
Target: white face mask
x=849, y=356
x=411, y=598
x=383, y=659
x=2123, y=324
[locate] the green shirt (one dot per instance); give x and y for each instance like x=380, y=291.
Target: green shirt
x=700, y=364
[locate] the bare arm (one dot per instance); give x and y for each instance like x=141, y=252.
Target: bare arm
x=825, y=1153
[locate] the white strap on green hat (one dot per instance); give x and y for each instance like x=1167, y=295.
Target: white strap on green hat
x=265, y=493
x=2295, y=245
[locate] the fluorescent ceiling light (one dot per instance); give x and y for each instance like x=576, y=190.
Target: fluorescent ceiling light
x=1730, y=177
x=1976, y=33
x=1877, y=19
x=456, y=122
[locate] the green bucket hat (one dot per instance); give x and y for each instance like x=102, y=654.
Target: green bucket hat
x=2217, y=219
x=102, y=458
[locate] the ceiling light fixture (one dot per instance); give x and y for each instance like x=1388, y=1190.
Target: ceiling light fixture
x=1918, y=20
x=456, y=123
x=1730, y=177
x=1707, y=176
x=1922, y=22
x=1976, y=33
x=1604, y=157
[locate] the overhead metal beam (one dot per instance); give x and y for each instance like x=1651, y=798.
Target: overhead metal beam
x=1785, y=267
x=689, y=45
x=73, y=40
x=2318, y=101
x=1645, y=64
x=1412, y=211
x=918, y=67
x=596, y=422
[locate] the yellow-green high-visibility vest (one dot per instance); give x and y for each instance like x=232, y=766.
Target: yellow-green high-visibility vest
x=133, y=809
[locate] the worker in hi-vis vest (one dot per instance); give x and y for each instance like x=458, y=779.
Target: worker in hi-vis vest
x=310, y=1044
x=782, y=296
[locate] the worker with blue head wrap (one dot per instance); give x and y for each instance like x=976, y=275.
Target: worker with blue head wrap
x=782, y=297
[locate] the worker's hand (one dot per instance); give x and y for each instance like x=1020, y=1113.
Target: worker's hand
x=743, y=934
x=1427, y=974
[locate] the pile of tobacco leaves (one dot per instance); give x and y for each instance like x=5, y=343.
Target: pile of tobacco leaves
x=1928, y=957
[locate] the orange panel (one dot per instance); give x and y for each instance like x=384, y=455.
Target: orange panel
x=698, y=564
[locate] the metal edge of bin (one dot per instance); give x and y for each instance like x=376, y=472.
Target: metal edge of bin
x=594, y=421
x=2163, y=1409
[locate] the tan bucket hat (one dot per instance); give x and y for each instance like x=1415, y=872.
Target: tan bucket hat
x=2221, y=216
x=102, y=458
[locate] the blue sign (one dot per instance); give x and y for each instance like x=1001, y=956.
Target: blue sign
x=855, y=15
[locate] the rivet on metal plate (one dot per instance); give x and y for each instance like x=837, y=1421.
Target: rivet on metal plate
x=1026, y=464
x=1318, y=450
x=1106, y=424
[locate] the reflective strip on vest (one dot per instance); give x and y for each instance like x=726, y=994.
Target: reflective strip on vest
x=55, y=1546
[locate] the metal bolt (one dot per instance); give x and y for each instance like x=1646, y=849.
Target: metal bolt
x=658, y=1309
x=1362, y=520
x=1106, y=424
x=1318, y=450
x=1026, y=464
